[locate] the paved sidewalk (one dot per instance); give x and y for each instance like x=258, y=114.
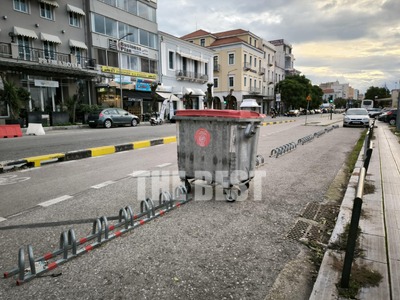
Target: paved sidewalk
x=379, y=223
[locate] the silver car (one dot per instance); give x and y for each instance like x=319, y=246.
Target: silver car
x=356, y=117
x=109, y=117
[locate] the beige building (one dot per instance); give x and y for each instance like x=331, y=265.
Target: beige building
x=243, y=67
x=246, y=66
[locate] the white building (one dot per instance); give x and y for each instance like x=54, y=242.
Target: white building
x=185, y=70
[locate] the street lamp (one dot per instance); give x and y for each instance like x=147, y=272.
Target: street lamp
x=120, y=64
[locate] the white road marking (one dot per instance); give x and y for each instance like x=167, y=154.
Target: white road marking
x=55, y=200
x=164, y=165
x=138, y=173
x=101, y=185
x=2, y=219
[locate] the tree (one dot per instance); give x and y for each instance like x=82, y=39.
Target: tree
x=13, y=96
x=377, y=93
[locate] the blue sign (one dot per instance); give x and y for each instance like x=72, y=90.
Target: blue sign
x=143, y=85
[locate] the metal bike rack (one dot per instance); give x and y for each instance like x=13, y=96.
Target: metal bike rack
x=102, y=232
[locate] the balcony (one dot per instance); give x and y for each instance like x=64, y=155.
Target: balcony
x=246, y=66
x=217, y=67
x=185, y=75
x=37, y=61
x=261, y=71
x=254, y=90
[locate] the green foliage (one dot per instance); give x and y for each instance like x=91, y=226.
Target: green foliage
x=15, y=97
x=295, y=89
x=377, y=92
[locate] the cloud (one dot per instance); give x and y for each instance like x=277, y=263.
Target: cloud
x=356, y=41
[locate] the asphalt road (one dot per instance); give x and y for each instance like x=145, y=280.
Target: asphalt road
x=206, y=249
x=63, y=140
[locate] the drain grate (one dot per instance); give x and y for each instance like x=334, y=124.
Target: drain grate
x=299, y=230
x=314, y=221
x=311, y=210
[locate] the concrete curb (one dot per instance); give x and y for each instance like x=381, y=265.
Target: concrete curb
x=37, y=161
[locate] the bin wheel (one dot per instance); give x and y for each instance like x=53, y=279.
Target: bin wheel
x=188, y=186
x=231, y=195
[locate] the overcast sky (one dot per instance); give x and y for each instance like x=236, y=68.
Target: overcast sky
x=352, y=41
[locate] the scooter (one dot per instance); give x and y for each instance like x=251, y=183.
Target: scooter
x=155, y=121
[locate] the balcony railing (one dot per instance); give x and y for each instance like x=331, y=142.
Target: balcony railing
x=41, y=56
x=191, y=76
x=246, y=66
x=261, y=71
x=217, y=67
x=254, y=90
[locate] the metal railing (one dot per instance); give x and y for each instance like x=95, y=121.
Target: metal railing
x=191, y=76
x=40, y=55
x=356, y=212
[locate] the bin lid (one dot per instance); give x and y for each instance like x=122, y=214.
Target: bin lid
x=220, y=113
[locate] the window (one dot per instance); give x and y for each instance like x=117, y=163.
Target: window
x=171, y=60
x=231, y=81
x=49, y=50
x=129, y=62
x=78, y=52
x=74, y=19
x=255, y=62
x=250, y=82
x=251, y=60
x=245, y=81
x=206, y=68
x=21, y=5
x=112, y=59
x=215, y=60
x=215, y=82
x=203, y=42
x=24, y=50
x=46, y=11
x=245, y=59
x=231, y=59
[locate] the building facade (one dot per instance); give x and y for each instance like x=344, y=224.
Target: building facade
x=246, y=66
x=43, y=48
x=185, y=71
x=104, y=52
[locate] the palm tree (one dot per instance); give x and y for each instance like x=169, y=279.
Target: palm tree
x=11, y=97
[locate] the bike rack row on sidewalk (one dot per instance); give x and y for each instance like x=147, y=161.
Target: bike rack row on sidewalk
x=292, y=145
x=356, y=212
x=101, y=232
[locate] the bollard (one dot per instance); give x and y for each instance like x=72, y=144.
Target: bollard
x=351, y=243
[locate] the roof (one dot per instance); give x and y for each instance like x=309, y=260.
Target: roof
x=226, y=41
x=196, y=34
x=234, y=32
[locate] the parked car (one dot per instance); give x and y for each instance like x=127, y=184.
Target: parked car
x=389, y=116
x=112, y=116
x=374, y=112
x=356, y=117
x=293, y=113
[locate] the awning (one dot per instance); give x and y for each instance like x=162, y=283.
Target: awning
x=194, y=57
x=49, y=2
x=168, y=96
x=25, y=32
x=75, y=9
x=188, y=91
x=77, y=44
x=198, y=92
x=50, y=38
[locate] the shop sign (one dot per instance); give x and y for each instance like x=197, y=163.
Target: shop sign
x=143, y=85
x=114, y=70
x=54, y=62
x=46, y=83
